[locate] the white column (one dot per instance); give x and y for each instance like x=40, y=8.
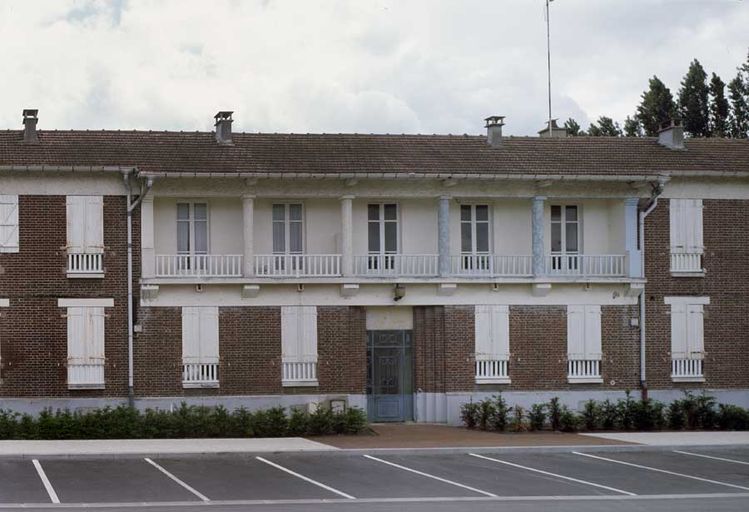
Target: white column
x=634, y=261
x=347, y=236
x=147, y=249
x=537, y=227
x=443, y=235
x=248, y=234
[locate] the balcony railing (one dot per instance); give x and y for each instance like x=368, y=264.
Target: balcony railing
x=199, y=374
x=406, y=265
x=491, y=265
x=198, y=265
x=586, y=265
x=85, y=264
x=298, y=265
x=686, y=262
x=86, y=374
x=492, y=371
x=686, y=368
x=299, y=373
x=583, y=369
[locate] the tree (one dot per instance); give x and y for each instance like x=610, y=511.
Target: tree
x=739, y=119
x=718, y=107
x=573, y=128
x=693, y=101
x=606, y=128
x=632, y=127
x=656, y=108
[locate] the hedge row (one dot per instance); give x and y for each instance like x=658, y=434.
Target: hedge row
x=184, y=422
x=691, y=412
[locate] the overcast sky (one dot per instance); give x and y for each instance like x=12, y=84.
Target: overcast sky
x=413, y=66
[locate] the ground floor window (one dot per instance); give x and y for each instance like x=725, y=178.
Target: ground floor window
x=687, y=338
x=200, y=346
x=299, y=345
x=584, y=344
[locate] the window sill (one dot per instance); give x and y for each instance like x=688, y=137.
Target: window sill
x=9, y=250
x=493, y=380
x=300, y=383
x=691, y=378
x=85, y=275
x=585, y=380
x=96, y=385
x=200, y=385
x=692, y=273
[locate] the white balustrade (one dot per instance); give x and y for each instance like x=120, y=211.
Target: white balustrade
x=299, y=372
x=686, y=368
x=199, y=373
x=587, y=265
x=492, y=370
x=298, y=265
x=88, y=374
x=686, y=262
x=406, y=265
x=85, y=263
x=491, y=265
x=583, y=368
x=198, y=265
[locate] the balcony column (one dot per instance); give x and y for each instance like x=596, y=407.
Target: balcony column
x=633, y=255
x=347, y=236
x=537, y=239
x=248, y=233
x=443, y=235
x=148, y=251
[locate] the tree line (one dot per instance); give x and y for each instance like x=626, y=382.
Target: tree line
x=701, y=105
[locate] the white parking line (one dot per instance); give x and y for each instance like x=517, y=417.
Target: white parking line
x=203, y=497
x=306, y=479
x=711, y=457
x=47, y=485
x=440, y=479
x=556, y=475
x=663, y=471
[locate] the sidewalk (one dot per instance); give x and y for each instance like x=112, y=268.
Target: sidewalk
x=716, y=438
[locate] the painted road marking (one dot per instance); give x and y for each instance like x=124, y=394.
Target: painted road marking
x=440, y=479
x=556, y=475
x=714, y=458
x=47, y=484
x=663, y=471
x=306, y=479
x=203, y=497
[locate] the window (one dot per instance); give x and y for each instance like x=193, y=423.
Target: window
x=288, y=229
x=474, y=237
x=565, y=238
x=85, y=231
x=200, y=336
x=192, y=228
x=8, y=223
x=686, y=235
x=85, y=325
x=687, y=338
x=492, y=331
x=299, y=345
x=382, y=234
x=584, y=344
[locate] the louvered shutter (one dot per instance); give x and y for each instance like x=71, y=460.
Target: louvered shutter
x=695, y=331
x=191, y=334
x=94, y=227
x=209, y=335
x=77, y=328
x=693, y=229
x=492, y=332
x=308, y=349
x=8, y=223
x=76, y=223
x=483, y=332
x=576, y=332
x=686, y=226
x=299, y=334
x=679, y=346
x=290, y=333
x=592, y=332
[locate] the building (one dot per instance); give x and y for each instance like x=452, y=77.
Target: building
x=404, y=274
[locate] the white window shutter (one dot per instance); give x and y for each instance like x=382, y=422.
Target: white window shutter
x=77, y=335
x=290, y=333
x=686, y=225
x=8, y=223
x=76, y=223
x=593, y=332
x=695, y=330
x=209, y=335
x=576, y=332
x=95, y=335
x=94, y=224
x=694, y=233
x=679, y=348
x=483, y=330
x=676, y=225
x=309, y=334
x=191, y=334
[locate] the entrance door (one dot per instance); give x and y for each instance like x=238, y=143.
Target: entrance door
x=390, y=376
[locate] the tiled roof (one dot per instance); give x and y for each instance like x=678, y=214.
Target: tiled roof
x=346, y=153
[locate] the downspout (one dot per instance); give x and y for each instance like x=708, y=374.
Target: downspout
x=131, y=206
x=653, y=202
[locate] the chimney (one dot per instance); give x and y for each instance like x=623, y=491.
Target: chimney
x=671, y=135
x=494, y=126
x=29, y=126
x=223, y=127
x=556, y=130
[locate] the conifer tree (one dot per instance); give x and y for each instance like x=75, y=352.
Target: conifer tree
x=739, y=118
x=657, y=107
x=718, y=107
x=693, y=101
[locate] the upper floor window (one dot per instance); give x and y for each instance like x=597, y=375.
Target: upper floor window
x=288, y=228
x=474, y=229
x=192, y=228
x=8, y=223
x=382, y=228
x=686, y=235
x=565, y=229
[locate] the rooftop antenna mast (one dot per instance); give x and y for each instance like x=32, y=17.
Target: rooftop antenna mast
x=548, y=58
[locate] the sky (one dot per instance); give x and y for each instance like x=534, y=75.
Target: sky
x=366, y=66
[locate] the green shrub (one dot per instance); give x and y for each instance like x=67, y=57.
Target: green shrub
x=590, y=415
x=675, y=417
x=537, y=417
x=732, y=417
x=626, y=410
x=486, y=413
x=647, y=415
x=500, y=410
x=518, y=420
x=469, y=414
x=706, y=415
x=568, y=420
x=555, y=413
x=354, y=421
x=321, y=422
x=609, y=415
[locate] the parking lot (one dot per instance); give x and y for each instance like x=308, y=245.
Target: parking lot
x=388, y=480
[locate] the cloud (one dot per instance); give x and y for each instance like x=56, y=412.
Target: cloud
x=347, y=66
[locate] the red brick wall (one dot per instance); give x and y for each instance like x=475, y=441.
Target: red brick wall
x=726, y=282
x=33, y=339
x=342, y=349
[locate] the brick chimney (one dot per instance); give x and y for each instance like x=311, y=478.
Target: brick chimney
x=223, y=127
x=494, y=126
x=671, y=135
x=29, y=126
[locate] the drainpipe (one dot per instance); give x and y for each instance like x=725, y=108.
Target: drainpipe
x=653, y=202
x=131, y=206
